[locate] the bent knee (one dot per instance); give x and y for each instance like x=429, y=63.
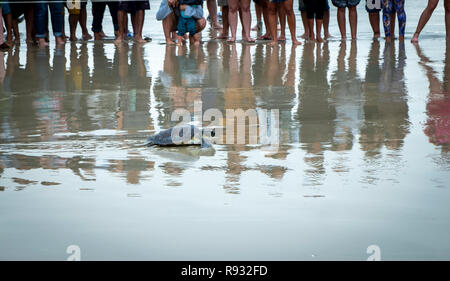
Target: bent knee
x=201, y=24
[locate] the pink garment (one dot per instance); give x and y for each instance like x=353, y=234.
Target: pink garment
x=438, y=124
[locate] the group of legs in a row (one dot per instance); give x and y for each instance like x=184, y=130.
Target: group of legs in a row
x=35, y=13
x=186, y=17
x=315, y=14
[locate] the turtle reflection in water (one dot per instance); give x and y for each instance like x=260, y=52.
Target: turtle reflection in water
x=184, y=136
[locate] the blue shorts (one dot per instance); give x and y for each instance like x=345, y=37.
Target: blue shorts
x=373, y=6
x=302, y=6
x=186, y=25
x=5, y=8
x=345, y=3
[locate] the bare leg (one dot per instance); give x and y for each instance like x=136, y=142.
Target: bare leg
x=282, y=18
x=265, y=13
x=29, y=18
x=272, y=11
x=122, y=19
x=225, y=24
x=139, y=24
x=311, y=29
x=63, y=23
x=319, y=24
x=258, y=11
x=212, y=9
x=233, y=7
x=83, y=20
x=289, y=10
x=426, y=14
x=8, y=25
x=326, y=24
x=73, y=21
x=447, y=18
x=374, y=19
x=341, y=23
x=305, y=26
x=169, y=26
x=353, y=17
x=246, y=19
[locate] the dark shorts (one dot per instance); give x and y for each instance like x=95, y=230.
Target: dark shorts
x=373, y=6
x=224, y=3
x=315, y=9
x=132, y=6
x=276, y=1
x=302, y=6
x=345, y=3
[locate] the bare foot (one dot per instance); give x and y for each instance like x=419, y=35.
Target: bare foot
x=250, y=40
x=98, y=36
x=73, y=38
x=265, y=37
x=139, y=39
x=415, y=38
x=281, y=38
x=42, y=43
x=118, y=40
x=295, y=42
x=87, y=36
x=60, y=41
x=304, y=36
x=169, y=41
x=216, y=25
x=328, y=35
x=273, y=43
x=401, y=38
x=388, y=39
x=376, y=35
x=319, y=39
x=231, y=40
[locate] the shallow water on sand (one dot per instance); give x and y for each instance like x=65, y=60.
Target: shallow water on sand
x=363, y=156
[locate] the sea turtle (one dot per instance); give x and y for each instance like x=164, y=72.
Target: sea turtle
x=175, y=137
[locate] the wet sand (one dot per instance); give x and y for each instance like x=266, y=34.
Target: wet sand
x=363, y=156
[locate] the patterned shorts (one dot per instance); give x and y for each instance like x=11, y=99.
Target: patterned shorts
x=345, y=3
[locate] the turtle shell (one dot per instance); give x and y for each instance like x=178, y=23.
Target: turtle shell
x=164, y=138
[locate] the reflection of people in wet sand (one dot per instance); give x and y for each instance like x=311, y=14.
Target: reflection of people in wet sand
x=438, y=106
x=238, y=95
x=132, y=168
x=348, y=97
x=275, y=88
x=133, y=108
x=133, y=75
x=316, y=113
x=385, y=107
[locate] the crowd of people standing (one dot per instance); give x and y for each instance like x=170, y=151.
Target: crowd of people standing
x=183, y=19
